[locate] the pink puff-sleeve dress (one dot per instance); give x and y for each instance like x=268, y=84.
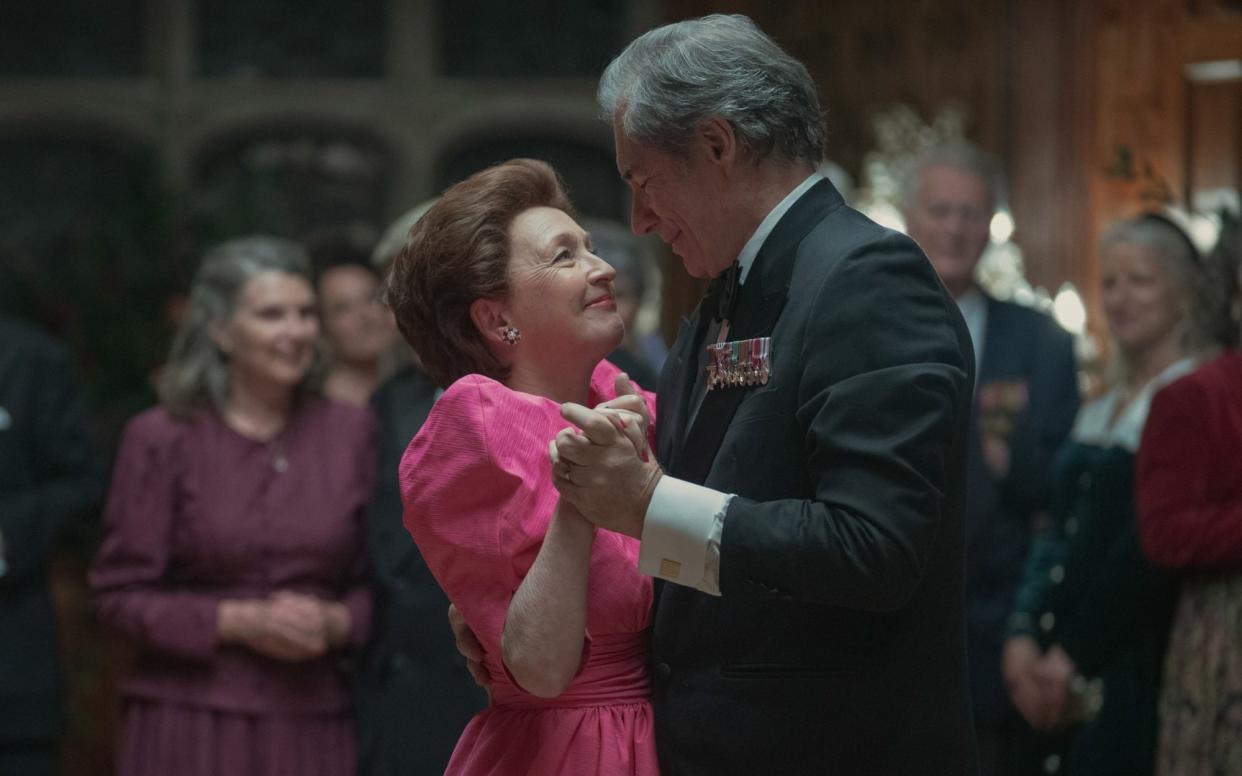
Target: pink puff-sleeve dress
x=476, y=483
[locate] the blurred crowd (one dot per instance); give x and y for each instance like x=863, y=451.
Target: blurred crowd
x=282, y=621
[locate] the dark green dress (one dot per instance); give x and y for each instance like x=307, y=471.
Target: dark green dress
x=1088, y=587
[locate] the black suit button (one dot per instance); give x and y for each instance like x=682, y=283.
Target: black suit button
x=399, y=662
x=664, y=670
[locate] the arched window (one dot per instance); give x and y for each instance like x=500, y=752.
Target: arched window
x=289, y=182
x=533, y=39
x=71, y=38
x=284, y=39
x=87, y=250
x=589, y=171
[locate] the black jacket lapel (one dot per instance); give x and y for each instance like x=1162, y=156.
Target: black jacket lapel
x=995, y=341
x=673, y=392
x=760, y=302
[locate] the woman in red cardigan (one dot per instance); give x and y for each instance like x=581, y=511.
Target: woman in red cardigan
x=1189, y=490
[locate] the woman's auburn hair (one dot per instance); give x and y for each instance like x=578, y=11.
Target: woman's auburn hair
x=458, y=252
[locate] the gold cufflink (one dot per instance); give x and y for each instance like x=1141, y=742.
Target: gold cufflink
x=670, y=568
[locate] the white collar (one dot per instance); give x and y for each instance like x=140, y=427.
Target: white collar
x=972, y=299
x=749, y=251
x=974, y=307
x=1095, y=426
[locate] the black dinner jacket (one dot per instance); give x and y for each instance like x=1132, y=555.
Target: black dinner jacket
x=838, y=643
x=413, y=693
x=49, y=479
x=1021, y=345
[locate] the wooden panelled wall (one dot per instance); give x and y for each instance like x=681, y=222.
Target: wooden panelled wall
x=1085, y=101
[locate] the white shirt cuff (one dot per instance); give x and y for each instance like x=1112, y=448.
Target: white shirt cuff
x=681, y=534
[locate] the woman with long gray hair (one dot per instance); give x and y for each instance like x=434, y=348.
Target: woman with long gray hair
x=233, y=558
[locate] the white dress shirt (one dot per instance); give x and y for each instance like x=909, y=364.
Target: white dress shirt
x=681, y=534
x=1099, y=424
x=974, y=308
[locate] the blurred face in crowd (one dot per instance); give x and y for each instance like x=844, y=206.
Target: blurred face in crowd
x=680, y=200
x=561, y=297
x=627, y=301
x=949, y=217
x=1142, y=302
x=357, y=327
x=270, y=337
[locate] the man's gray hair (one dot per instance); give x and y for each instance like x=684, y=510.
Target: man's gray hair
x=196, y=376
x=961, y=155
x=667, y=82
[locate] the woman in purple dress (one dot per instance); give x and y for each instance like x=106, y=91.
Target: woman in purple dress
x=233, y=555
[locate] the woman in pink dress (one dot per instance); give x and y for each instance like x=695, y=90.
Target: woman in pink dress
x=500, y=294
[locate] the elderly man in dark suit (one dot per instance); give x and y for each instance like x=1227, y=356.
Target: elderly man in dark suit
x=1025, y=403
x=806, y=510
x=48, y=479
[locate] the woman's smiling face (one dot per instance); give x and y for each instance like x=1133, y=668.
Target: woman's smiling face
x=560, y=293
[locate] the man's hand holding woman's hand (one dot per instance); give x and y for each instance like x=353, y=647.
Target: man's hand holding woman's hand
x=604, y=467
x=605, y=471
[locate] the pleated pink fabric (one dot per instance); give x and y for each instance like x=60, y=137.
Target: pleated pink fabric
x=476, y=483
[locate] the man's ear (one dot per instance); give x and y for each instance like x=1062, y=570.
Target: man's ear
x=719, y=141
x=490, y=318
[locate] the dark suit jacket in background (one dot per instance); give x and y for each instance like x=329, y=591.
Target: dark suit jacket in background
x=838, y=645
x=414, y=694
x=48, y=479
x=1022, y=346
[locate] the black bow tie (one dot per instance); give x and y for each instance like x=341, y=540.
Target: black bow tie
x=721, y=294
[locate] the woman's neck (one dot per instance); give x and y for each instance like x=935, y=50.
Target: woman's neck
x=353, y=382
x=258, y=411
x=558, y=383
x=1146, y=364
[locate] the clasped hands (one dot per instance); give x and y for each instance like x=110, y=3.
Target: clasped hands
x=286, y=626
x=603, y=466
x=1040, y=683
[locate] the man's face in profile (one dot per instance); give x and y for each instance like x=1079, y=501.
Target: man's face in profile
x=949, y=217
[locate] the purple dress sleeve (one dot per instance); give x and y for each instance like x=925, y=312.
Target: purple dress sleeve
x=358, y=597
x=129, y=571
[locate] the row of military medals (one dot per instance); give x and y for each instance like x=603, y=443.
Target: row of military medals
x=738, y=363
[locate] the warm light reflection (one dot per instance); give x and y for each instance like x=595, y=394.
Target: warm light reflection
x=885, y=214
x=1001, y=226
x=1069, y=310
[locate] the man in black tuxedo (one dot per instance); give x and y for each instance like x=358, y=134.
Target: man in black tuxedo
x=48, y=479
x=1025, y=403
x=807, y=520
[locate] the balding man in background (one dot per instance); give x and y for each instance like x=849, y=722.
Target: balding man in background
x=1025, y=402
